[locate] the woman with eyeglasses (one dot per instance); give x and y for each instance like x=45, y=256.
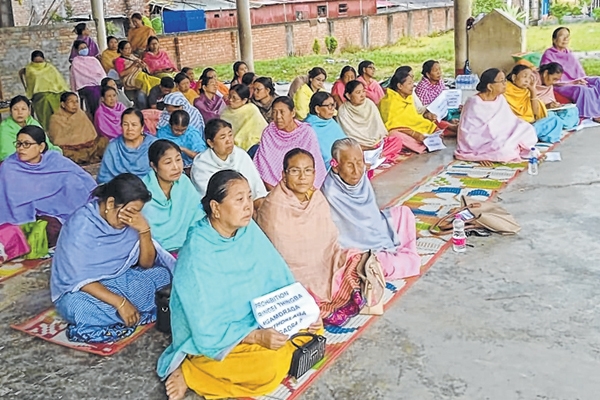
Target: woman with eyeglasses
x=311, y=251
x=263, y=97
x=320, y=118
x=20, y=116
x=41, y=184
x=366, y=75
x=316, y=80
x=489, y=131
x=282, y=135
x=245, y=119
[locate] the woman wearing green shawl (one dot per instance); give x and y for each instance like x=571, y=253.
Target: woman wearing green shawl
x=44, y=84
x=218, y=350
x=175, y=203
x=20, y=116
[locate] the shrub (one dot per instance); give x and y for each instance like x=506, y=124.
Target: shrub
x=486, y=6
x=316, y=47
x=596, y=14
x=560, y=10
x=331, y=44
x=515, y=12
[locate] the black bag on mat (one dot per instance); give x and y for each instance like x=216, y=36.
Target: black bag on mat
x=163, y=312
x=307, y=355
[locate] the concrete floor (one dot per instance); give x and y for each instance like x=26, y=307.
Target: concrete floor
x=513, y=318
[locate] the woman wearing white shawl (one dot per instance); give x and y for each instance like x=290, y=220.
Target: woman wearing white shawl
x=223, y=154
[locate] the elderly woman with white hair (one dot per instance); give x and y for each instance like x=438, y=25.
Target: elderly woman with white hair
x=390, y=233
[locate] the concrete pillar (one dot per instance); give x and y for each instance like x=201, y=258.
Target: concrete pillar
x=390, y=29
x=98, y=17
x=245, y=32
x=462, y=12
x=289, y=39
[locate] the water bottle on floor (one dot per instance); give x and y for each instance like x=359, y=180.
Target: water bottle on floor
x=532, y=168
x=459, y=238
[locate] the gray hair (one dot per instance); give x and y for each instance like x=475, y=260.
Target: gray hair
x=341, y=145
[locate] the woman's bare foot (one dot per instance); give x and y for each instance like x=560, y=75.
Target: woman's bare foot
x=175, y=385
x=597, y=120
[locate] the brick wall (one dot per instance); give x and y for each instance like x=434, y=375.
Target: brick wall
x=220, y=46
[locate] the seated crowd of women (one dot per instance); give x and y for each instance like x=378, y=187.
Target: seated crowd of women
x=199, y=203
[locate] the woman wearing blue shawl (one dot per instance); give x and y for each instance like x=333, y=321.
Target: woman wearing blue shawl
x=320, y=117
x=226, y=262
x=390, y=233
x=106, y=268
x=175, y=203
x=180, y=132
x=39, y=184
x=128, y=152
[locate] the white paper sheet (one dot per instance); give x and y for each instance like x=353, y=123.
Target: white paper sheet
x=553, y=156
x=439, y=106
x=434, y=142
x=372, y=156
x=453, y=98
x=563, y=107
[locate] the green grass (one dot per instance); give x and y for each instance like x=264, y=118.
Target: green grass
x=413, y=52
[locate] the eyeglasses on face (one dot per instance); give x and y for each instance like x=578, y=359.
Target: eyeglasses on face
x=501, y=81
x=24, y=145
x=328, y=105
x=297, y=171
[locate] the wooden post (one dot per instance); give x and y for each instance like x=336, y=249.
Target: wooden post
x=462, y=12
x=245, y=32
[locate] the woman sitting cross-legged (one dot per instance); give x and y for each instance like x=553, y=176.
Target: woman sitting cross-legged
x=399, y=112
x=41, y=184
x=390, y=233
x=107, y=119
x=128, y=152
x=360, y=120
x=20, y=117
x=545, y=78
x=246, y=120
x=72, y=130
x=106, y=268
x=187, y=138
x=133, y=71
x=175, y=203
x=489, y=131
x=320, y=118
x=521, y=95
x=311, y=248
x=282, y=135
x=224, y=154
x=218, y=349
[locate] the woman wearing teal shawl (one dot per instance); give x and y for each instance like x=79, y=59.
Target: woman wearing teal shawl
x=175, y=203
x=320, y=117
x=128, y=152
x=226, y=262
x=20, y=116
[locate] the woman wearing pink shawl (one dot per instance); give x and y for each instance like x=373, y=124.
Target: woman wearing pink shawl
x=574, y=84
x=311, y=249
x=108, y=117
x=489, y=131
x=158, y=61
x=86, y=75
x=282, y=135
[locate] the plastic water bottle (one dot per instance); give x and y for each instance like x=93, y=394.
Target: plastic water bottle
x=459, y=238
x=532, y=168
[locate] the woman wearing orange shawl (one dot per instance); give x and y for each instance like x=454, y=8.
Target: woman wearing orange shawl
x=138, y=34
x=311, y=249
x=108, y=57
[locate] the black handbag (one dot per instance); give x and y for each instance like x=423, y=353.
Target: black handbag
x=163, y=312
x=307, y=355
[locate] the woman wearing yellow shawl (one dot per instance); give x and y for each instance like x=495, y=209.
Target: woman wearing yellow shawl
x=108, y=56
x=44, y=84
x=521, y=95
x=398, y=111
x=245, y=118
x=316, y=80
